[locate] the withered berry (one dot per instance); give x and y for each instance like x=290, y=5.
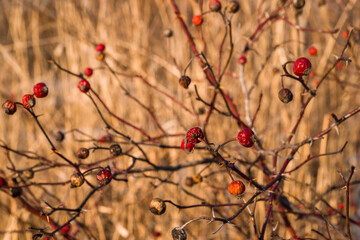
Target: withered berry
x=115, y=150
x=77, y=179
x=189, y=182
x=82, y=153
x=194, y=135
x=59, y=136
x=246, y=137
x=104, y=176
x=184, y=81
x=234, y=6
x=178, y=233
x=9, y=107
x=285, y=95
x=168, y=33
x=157, y=206
x=299, y=4
x=197, y=178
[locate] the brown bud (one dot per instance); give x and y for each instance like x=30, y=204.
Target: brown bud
x=9, y=107
x=77, y=179
x=157, y=206
x=115, y=150
x=285, y=95
x=82, y=153
x=184, y=81
x=178, y=233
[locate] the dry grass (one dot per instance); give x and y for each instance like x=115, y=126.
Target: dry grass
x=34, y=31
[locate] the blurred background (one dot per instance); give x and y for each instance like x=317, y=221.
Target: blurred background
x=35, y=31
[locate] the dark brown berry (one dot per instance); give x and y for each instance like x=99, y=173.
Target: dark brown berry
x=184, y=81
x=82, y=153
x=178, y=233
x=9, y=107
x=285, y=95
x=189, y=182
x=115, y=150
x=233, y=6
x=77, y=179
x=59, y=136
x=299, y=4
x=16, y=192
x=168, y=33
x=157, y=206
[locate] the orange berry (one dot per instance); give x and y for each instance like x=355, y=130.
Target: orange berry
x=197, y=20
x=236, y=188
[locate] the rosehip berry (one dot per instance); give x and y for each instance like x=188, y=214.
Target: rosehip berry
x=197, y=20
x=345, y=34
x=100, y=56
x=197, y=178
x=215, y=5
x=189, y=146
x=178, y=233
x=16, y=192
x=100, y=47
x=302, y=66
x=236, y=188
x=41, y=90
x=234, y=6
x=77, y=179
x=104, y=176
x=242, y=60
x=339, y=65
x=341, y=206
x=184, y=81
x=28, y=101
x=82, y=153
x=59, y=136
x=156, y=234
x=84, y=86
x=115, y=150
x=194, y=135
x=299, y=4
x=312, y=51
x=106, y=138
x=189, y=182
x=157, y=206
x=168, y=33
x=88, y=71
x=65, y=229
x=285, y=95
x=246, y=137
x=9, y=107
x=3, y=182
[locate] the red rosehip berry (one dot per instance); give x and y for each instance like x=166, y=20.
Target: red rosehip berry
x=236, y=188
x=345, y=34
x=194, y=135
x=104, y=176
x=215, y=5
x=339, y=65
x=65, y=229
x=341, y=206
x=156, y=234
x=189, y=146
x=197, y=20
x=302, y=66
x=242, y=60
x=84, y=86
x=28, y=101
x=106, y=138
x=3, y=182
x=41, y=90
x=9, y=107
x=312, y=51
x=100, y=47
x=88, y=71
x=246, y=137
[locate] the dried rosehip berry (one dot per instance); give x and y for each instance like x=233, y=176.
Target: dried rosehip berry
x=77, y=179
x=189, y=182
x=84, y=86
x=299, y=4
x=312, y=51
x=104, y=176
x=236, y=188
x=197, y=20
x=178, y=233
x=88, y=71
x=189, y=146
x=115, y=150
x=41, y=90
x=16, y=192
x=3, y=182
x=194, y=135
x=9, y=107
x=184, y=81
x=59, y=136
x=285, y=95
x=233, y=6
x=246, y=137
x=302, y=66
x=83, y=153
x=242, y=60
x=157, y=206
x=100, y=47
x=28, y=101
x=100, y=56
x=168, y=33
x=215, y=5
x=197, y=178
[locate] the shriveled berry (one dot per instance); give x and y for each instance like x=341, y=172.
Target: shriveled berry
x=88, y=71
x=233, y=6
x=312, y=51
x=100, y=47
x=77, y=179
x=189, y=146
x=41, y=90
x=104, y=176
x=16, y=192
x=189, y=182
x=115, y=150
x=215, y=5
x=299, y=4
x=194, y=135
x=242, y=60
x=59, y=136
x=3, y=182
x=9, y=107
x=100, y=56
x=178, y=233
x=302, y=66
x=285, y=95
x=197, y=178
x=168, y=33
x=28, y=174
x=83, y=153
x=28, y=101
x=236, y=188
x=184, y=81
x=157, y=206
x=246, y=137
x=197, y=20
x=84, y=86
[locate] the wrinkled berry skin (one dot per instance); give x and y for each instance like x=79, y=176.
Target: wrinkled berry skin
x=104, y=176
x=9, y=107
x=285, y=95
x=84, y=86
x=215, y=5
x=194, y=135
x=157, y=206
x=115, y=150
x=82, y=153
x=41, y=90
x=184, y=81
x=246, y=137
x=77, y=180
x=189, y=145
x=302, y=66
x=236, y=188
x=88, y=71
x=100, y=47
x=178, y=233
x=28, y=101
x=197, y=20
